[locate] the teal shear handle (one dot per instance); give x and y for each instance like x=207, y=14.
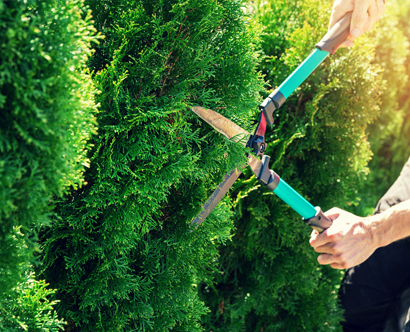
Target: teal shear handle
x=302, y=72
x=328, y=45
x=291, y=197
x=313, y=216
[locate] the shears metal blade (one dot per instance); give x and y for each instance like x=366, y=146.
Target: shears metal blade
x=312, y=216
x=235, y=133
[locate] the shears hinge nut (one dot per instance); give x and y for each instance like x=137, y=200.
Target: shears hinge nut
x=257, y=144
x=266, y=176
x=271, y=104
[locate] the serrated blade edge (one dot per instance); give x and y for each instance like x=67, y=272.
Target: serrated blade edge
x=222, y=125
x=216, y=196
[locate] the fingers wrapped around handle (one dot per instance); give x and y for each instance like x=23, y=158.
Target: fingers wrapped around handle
x=336, y=35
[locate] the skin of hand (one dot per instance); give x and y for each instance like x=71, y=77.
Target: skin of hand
x=352, y=239
x=348, y=242
x=365, y=14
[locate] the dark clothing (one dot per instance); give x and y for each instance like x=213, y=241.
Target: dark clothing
x=376, y=294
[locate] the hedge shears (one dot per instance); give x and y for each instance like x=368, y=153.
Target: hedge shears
x=313, y=216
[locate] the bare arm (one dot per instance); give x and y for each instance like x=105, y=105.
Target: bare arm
x=365, y=14
x=352, y=239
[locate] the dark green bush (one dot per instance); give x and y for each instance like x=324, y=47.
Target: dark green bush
x=269, y=279
x=120, y=254
x=46, y=107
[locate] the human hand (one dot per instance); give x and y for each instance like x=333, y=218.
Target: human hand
x=365, y=14
x=348, y=242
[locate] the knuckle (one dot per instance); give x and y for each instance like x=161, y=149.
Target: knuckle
x=359, y=17
x=361, y=230
x=335, y=248
x=344, y=265
x=334, y=237
x=342, y=261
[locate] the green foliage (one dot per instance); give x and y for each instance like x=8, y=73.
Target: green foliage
x=46, y=106
x=119, y=250
x=389, y=135
x=28, y=307
x=269, y=279
x=120, y=253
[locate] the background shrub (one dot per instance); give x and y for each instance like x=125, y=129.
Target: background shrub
x=46, y=111
x=389, y=135
x=27, y=307
x=46, y=106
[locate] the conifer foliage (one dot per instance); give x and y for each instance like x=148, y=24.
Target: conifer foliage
x=46, y=111
x=29, y=307
x=121, y=254
x=119, y=249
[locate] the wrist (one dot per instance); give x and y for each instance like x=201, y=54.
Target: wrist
x=375, y=230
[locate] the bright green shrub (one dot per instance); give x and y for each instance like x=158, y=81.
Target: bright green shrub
x=269, y=278
x=28, y=307
x=120, y=253
x=46, y=107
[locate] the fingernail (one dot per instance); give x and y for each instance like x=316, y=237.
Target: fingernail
x=355, y=32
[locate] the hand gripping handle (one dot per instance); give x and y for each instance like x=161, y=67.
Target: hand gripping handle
x=319, y=222
x=336, y=35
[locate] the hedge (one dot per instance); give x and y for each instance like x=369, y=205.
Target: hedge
x=116, y=242
x=47, y=115
x=121, y=255
x=47, y=106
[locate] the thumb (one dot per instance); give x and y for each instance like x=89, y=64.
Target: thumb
x=340, y=8
x=359, y=18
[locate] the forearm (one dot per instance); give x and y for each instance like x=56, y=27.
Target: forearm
x=352, y=239
x=391, y=225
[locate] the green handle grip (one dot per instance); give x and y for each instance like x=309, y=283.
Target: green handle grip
x=336, y=36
